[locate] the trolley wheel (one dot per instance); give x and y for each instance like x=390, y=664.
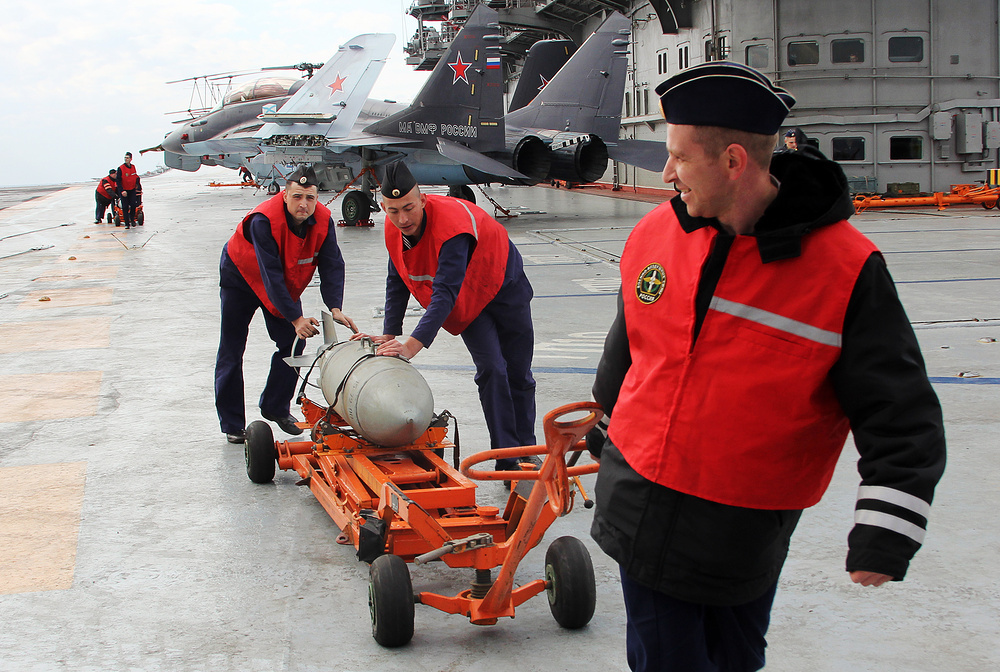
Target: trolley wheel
x=259, y=452
x=109, y=218
x=140, y=218
x=390, y=600
x=273, y=188
x=355, y=207
x=462, y=191
x=989, y=205
x=569, y=582
x=117, y=219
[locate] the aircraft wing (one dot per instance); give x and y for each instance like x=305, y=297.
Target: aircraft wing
x=329, y=104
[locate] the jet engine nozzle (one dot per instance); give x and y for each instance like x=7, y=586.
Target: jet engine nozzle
x=578, y=158
x=385, y=399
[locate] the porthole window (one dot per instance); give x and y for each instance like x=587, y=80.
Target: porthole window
x=757, y=56
x=906, y=49
x=803, y=53
x=906, y=147
x=849, y=149
x=847, y=51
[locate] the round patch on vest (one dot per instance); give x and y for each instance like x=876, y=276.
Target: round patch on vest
x=649, y=286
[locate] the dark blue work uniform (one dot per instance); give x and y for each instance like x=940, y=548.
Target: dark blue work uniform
x=239, y=303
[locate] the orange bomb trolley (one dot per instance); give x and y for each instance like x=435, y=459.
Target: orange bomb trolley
x=406, y=504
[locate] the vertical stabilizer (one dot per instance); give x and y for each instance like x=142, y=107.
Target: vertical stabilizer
x=543, y=61
x=330, y=102
x=462, y=100
x=585, y=96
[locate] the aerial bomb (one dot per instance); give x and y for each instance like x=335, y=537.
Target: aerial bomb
x=384, y=399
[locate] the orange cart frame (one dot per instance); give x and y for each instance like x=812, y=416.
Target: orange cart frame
x=406, y=504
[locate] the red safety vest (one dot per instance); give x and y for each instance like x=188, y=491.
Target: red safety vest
x=106, y=188
x=746, y=414
x=127, y=177
x=297, y=254
x=446, y=218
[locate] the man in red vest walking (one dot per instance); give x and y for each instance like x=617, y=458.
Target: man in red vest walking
x=459, y=264
x=267, y=264
x=129, y=189
x=104, y=195
x=756, y=328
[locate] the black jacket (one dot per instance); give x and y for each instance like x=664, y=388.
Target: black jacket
x=701, y=551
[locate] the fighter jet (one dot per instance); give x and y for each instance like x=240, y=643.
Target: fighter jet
x=225, y=135
x=455, y=132
x=236, y=112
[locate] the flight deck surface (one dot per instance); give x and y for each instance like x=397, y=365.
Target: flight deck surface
x=131, y=538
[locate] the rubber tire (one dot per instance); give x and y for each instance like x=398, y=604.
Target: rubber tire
x=462, y=191
x=259, y=452
x=140, y=218
x=570, y=584
x=109, y=218
x=355, y=207
x=390, y=601
x=273, y=189
x=117, y=220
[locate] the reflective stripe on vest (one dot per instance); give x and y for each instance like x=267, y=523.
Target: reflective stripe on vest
x=776, y=321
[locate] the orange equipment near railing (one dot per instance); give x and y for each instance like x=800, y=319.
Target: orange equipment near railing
x=960, y=194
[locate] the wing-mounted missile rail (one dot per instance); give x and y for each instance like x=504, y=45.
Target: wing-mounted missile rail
x=374, y=460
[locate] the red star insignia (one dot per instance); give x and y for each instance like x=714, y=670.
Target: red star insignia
x=459, y=67
x=544, y=82
x=337, y=85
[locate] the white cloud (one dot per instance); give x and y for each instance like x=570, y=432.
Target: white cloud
x=84, y=81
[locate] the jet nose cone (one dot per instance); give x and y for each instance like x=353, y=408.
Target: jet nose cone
x=174, y=142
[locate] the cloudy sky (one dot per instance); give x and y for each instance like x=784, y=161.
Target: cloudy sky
x=85, y=81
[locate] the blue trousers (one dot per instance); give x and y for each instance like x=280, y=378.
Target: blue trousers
x=239, y=304
x=129, y=204
x=664, y=634
x=501, y=341
x=102, y=206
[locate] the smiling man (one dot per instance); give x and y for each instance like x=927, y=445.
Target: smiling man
x=756, y=328
x=267, y=264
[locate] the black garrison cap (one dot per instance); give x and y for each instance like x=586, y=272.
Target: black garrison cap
x=726, y=94
x=398, y=180
x=305, y=176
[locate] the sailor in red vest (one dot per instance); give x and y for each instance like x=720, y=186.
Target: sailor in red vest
x=459, y=264
x=129, y=189
x=104, y=195
x=755, y=328
x=267, y=264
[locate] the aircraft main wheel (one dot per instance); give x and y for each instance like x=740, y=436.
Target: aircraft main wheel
x=462, y=191
x=355, y=207
x=259, y=452
x=569, y=583
x=273, y=188
x=390, y=600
